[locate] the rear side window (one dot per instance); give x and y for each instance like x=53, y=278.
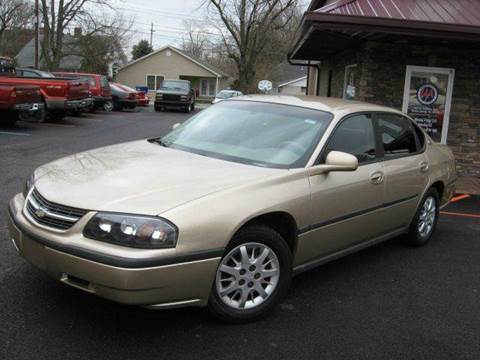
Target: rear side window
x=397, y=135
x=355, y=136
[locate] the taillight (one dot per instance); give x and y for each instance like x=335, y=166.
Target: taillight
x=13, y=94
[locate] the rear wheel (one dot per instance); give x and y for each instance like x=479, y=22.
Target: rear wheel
x=253, y=275
x=425, y=220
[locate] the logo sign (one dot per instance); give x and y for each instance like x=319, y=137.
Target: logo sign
x=40, y=213
x=265, y=85
x=427, y=94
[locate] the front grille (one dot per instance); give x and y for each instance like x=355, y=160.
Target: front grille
x=52, y=215
x=169, y=97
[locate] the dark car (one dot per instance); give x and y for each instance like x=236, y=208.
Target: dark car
x=176, y=94
x=123, y=97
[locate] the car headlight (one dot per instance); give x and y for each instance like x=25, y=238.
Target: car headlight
x=28, y=185
x=183, y=97
x=137, y=231
x=159, y=96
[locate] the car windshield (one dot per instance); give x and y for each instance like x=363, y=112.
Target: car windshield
x=225, y=94
x=175, y=85
x=255, y=133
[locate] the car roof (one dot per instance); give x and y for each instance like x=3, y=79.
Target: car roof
x=329, y=104
x=75, y=73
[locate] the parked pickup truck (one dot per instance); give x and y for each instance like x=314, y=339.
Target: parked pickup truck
x=20, y=101
x=58, y=95
x=99, y=87
x=175, y=94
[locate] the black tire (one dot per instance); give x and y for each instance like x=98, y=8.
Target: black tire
x=414, y=236
x=56, y=115
x=193, y=106
x=262, y=235
x=11, y=118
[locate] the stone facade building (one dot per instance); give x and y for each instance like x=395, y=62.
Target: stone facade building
x=418, y=56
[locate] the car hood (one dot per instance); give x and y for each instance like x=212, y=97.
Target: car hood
x=139, y=177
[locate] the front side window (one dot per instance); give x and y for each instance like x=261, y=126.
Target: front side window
x=355, y=136
x=397, y=134
x=255, y=133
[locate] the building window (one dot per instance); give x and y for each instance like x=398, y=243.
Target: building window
x=154, y=82
x=349, y=85
x=208, y=87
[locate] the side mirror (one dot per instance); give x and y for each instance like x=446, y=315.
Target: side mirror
x=176, y=125
x=336, y=161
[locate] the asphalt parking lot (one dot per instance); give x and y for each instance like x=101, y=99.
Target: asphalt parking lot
x=386, y=302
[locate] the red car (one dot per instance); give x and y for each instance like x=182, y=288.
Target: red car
x=99, y=87
x=59, y=96
x=142, y=99
x=17, y=101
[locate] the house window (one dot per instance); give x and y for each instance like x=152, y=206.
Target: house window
x=349, y=85
x=208, y=87
x=154, y=82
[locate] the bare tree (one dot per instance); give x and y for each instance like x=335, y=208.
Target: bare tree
x=101, y=42
x=247, y=29
x=14, y=15
x=196, y=43
x=58, y=16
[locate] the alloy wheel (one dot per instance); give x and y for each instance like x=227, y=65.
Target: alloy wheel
x=427, y=217
x=108, y=106
x=247, y=276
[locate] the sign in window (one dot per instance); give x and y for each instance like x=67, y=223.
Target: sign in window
x=427, y=99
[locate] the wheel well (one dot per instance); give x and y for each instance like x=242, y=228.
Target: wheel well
x=440, y=187
x=282, y=222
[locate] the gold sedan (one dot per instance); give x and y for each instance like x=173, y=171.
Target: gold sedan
x=226, y=208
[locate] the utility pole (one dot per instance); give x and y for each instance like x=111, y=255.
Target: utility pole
x=151, y=35
x=37, y=31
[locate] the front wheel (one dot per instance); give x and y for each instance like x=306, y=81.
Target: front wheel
x=253, y=275
x=108, y=106
x=425, y=220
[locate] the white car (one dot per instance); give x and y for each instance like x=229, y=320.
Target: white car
x=226, y=94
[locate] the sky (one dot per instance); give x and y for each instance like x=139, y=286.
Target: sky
x=168, y=17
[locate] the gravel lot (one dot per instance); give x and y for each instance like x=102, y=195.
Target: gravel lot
x=387, y=302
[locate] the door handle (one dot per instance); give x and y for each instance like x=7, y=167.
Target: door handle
x=377, y=178
x=424, y=167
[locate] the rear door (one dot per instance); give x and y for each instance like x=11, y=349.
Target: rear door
x=406, y=167
x=346, y=206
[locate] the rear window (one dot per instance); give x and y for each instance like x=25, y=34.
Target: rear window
x=90, y=79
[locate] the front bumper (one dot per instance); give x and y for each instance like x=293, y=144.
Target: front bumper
x=171, y=103
x=31, y=108
x=182, y=283
x=79, y=105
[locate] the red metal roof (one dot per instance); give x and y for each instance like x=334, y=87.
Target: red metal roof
x=465, y=12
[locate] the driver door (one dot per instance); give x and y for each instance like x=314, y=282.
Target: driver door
x=346, y=207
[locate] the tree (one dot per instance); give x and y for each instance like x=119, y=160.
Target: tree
x=14, y=15
x=248, y=26
x=141, y=49
x=57, y=18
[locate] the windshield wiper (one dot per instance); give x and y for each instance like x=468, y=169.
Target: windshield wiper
x=159, y=141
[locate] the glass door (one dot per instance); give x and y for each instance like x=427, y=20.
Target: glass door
x=427, y=98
